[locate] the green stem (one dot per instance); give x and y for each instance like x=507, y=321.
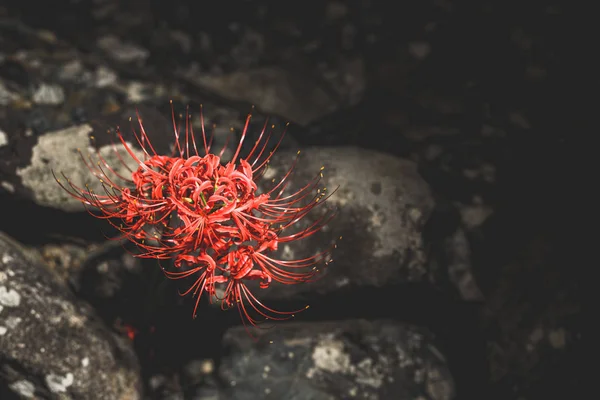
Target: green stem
x=203, y=199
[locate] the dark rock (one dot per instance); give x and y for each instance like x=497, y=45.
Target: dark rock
x=282, y=92
x=122, y=51
x=53, y=345
x=381, y=230
x=376, y=360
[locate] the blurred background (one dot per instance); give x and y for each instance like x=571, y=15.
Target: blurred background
x=482, y=98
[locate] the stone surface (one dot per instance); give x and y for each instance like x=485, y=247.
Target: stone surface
x=281, y=92
x=375, y=360
x=383, y=205
x=58, y=152
x=51, y=344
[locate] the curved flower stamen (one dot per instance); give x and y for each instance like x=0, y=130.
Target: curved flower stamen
x=208, y=217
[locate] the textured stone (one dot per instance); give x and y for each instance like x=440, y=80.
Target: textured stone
x=51, y=344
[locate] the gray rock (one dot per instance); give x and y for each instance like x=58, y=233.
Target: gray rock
x=275, y=90
x=458, y=253
x=122, y=51
x=49, y=94
x=53, y=346
x=6, y=96
x=335, y=360
x=3, y=138
x=58, y=151
x=383, y=204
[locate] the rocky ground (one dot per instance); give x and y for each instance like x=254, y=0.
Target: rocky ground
x=447, y=126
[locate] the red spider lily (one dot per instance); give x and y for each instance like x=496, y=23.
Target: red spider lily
x=208, y=216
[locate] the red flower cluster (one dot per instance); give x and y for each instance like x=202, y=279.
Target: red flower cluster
x=208, y=217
